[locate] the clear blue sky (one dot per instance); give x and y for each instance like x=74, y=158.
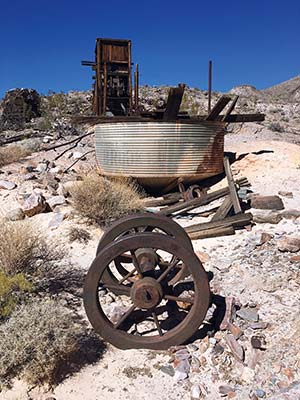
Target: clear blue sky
x=255, y=42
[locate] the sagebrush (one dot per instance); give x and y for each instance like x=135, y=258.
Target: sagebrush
x=36, y=340
x=24, y=249
x=12, y=154
x=102, y=200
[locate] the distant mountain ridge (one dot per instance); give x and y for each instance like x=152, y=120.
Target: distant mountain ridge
x=287, y=91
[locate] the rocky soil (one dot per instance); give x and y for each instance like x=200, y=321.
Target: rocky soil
x=256, y=272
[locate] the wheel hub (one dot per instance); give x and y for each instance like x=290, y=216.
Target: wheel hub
x=146, y=293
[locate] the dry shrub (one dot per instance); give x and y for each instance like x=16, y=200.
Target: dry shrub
x=78, y=234
x=36, y=340
x=23, y=249
x=102, y=200
x=12, y=154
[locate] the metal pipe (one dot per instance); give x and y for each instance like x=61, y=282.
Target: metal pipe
x=136, y=88
x=209, y=84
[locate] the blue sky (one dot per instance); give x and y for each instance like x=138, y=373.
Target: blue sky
x=254, y=42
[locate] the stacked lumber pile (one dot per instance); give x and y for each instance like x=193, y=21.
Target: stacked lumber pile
x=225, y=219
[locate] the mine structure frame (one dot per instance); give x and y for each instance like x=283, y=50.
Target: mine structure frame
x=113, y=84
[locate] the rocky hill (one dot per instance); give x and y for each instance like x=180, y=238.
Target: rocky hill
x=53, y=113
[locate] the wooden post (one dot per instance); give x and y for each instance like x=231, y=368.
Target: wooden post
x=232, y=188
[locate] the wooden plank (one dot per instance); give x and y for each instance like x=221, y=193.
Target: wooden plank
x=201, y=201
x=230, y=108
x=223, y=210
x=218, y=108
x=173, y=103
x=245, y=117
x=190, y=204
x=232, y=188
x=235, y=221
x=214, y=232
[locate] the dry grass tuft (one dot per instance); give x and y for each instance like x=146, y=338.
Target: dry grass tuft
x=12, y=154
x=36, y=340
x=102, y=200
x=78, y=234
x=25, y=250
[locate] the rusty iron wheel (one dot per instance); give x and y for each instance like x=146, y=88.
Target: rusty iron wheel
x=153, y=313
x=137, y=223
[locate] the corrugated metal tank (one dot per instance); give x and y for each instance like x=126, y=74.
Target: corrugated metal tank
x=157, y=153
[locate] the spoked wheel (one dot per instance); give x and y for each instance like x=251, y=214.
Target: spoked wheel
x=137, y=224
x=152, y=313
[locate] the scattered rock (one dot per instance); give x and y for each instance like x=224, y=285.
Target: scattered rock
x=203, y=257
x=195, y=392
x=289, y=195
x=77, y=155
x=41, y=168
x=16, y=214
x=29, y=177
x=267, y=217
x=248, y=314
x=259, y=325
x=7, y=185
x=265, y=238
x=290, y=214
x=295, y=259
x=267, y=202
x=167, y=369
x=236, y=349
x=225, y=389
x=34, y=204
x=258, y=342
x=55, y=222
x=260, y=393
x=56, y=201
x=291, y=244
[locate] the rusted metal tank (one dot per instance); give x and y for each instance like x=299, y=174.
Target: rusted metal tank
x=157, y=153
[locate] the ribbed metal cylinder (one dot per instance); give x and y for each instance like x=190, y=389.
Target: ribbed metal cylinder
x=157, y=150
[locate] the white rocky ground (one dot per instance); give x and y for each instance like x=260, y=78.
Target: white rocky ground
x=263, y=280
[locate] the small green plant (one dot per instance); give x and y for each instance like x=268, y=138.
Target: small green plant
x=12, y=288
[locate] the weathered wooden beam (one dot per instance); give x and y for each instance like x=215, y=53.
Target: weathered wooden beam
x=231, y=107
x=214, y=232
x=173, y=103
x=235, y=221
x=201, y=201
x=244, y=118
x=218, y=107
x=223, y=210
x=232, y=188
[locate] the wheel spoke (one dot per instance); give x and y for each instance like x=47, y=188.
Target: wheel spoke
x=178, y=298
x=166, y=272
x=124, y=316
x=115, y=287
x=157, y=324
x=136, y=263
x=131, y=273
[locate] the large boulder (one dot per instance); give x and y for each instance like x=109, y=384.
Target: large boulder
x=18, y=107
